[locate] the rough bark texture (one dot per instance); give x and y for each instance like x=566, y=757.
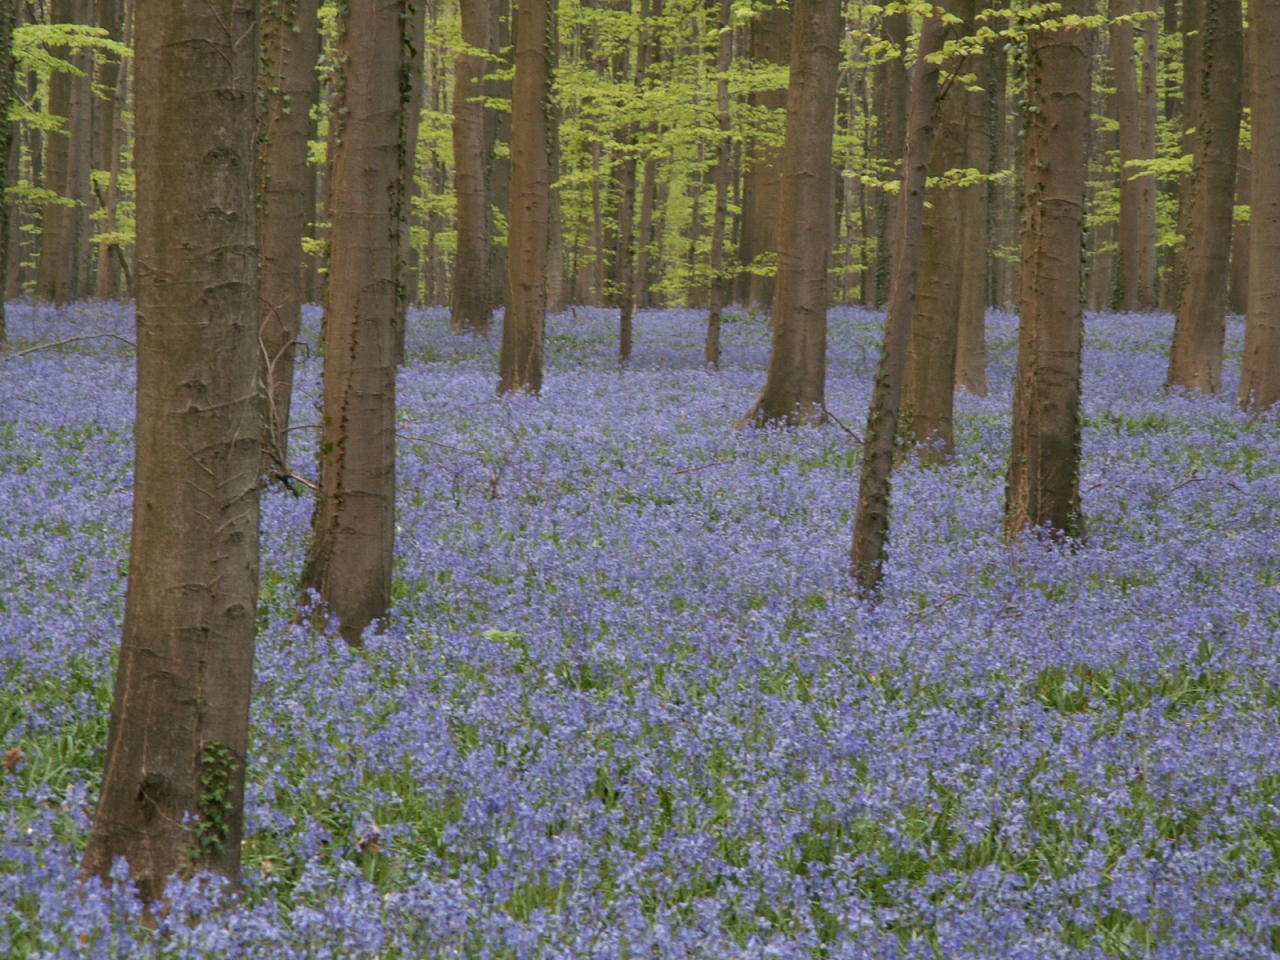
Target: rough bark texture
x=928, y=394
x=1260, y=374
x=520, y=361
x=471, y=307
x=290, y=42
x=8, y=21
x=173, y=781
x=1195, y=362
x=1044, y=464
x=719, y=282
x=975, y=234
x=770, y=43
x=871, y=521
x=1136, y=276
x=795, y=383
x=353, y=529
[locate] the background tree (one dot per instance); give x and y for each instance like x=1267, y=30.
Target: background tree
x=353, y=531
x=1135, y=103
x=471, y=308
x=1044, y=463
x=173, y=782
x=720, y=287
x=8, y=20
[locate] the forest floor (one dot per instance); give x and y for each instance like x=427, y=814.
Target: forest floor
x=628, y=705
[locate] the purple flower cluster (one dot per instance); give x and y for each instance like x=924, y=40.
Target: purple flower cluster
x=628, y=705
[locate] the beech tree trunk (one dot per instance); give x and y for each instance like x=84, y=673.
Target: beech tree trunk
x=795, y=383
x=290, y=41
x=1135, y=278
x=719, y=282
x=1238, y=284
x=871, y=520
x=52, y=274
x=1195, y=362
x=8, y=78
x=471, y=308
x=410, y=120
x=1260, y=373
x=353, y=530
x=173, y=782
x=1043, y=488
x=498, y=130
x=110, y=257
x=520, y=361
x=770, y=43
x=975, y=242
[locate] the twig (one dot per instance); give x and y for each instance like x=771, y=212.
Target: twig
x=59, y=343
x=840, y=423
x=702, y=466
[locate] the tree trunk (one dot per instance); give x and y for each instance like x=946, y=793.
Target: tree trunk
x=770, y=43
x=290, y=40
x=1238, y=284
x=871, y=521
x=892, y=91
x=8, y=79
x=929, y=391
x=1135, y=278
x=173, y=783
x=795, y=383
x=624, y=256
x=353, y=530
x=498, y=130
x=410, y=120
x=1148, y=258
x=1044, y=466
x=110, y=257
x=1195, y=362
x=520, y=361
x=719, y=282
x=975, y=232
x=50, y=273
x=1260, y=373
x=74, y=255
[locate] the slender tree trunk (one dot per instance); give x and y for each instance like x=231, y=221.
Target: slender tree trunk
x=1148, y=256
x=8, y=80
x=771, y=44
x=624, y=256
x=1195, y=362
x=928, y=394
x=410, y=120
x=795, y=383
x=520, y=360
x=1169, y=278
x=891, y=124
x=498, y=131
x=720, y=283
x=975, y=233
x=353, y=530
x=173, y=783
x=871, y=521
x=50, y=273
x=1260, y=373
x=1238, y=284
x=644, y=259
x=290, y=39
x=75, y=243
x=471, y=310
x=557, y=278
x=1135, y=280
x=109, y=255
x=1044, y=465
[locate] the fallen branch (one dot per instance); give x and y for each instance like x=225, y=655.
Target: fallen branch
x=60, y=343
x=840, y=423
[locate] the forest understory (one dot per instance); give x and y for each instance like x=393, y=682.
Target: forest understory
x=629, y=703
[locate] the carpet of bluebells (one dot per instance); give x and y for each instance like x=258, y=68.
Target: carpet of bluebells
x=628, y=705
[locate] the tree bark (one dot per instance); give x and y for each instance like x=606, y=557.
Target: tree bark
x=173, y=783
x=871, y=520
x=892, y=91
x=770, y=43
x=353, y=530
x=720, y=283
x=290, y=41
x=51, y=273
x=1238, y=285
x=1195, y=363
x=109, y=254
x=498, y=130
x=8, y=80
x=795, y=382
x=1169, y=276
x=624, y=256
x=520, y=360
x=1260, y=373
x=412, y=85
x=975, y=232
x=471, y=309
x=1044, y=466
x=1135, y=279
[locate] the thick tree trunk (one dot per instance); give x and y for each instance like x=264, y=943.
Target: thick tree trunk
x=1260, y=373
x=520, y=361
x=1044, y=466
x=795, y=383
x=1195, y=362
x=471, y=309
x=173, y=782
x=975, y=233
x=353, y=529
x=871, y=521
x=719, y=282
x=290, y=40
x=1135, y=278
x=770, y=43
x=929, y=391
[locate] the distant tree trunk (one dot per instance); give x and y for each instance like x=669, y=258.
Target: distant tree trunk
x=1195, y=362
x=1260, y=373
x=975, y=244
x=75, y=255
x=353, y=530
x=1169, y=278
x=929, y=390
x=51, y=272
x=172, y=795
x=1135, y=280
x=1148, y=258
x=410, y=120
x=720, y=283
x=1043, y=488
x=520, y=361
x=871, y=521
x=290, y=40
x=498, y=131
x=893, y=90
x=110, y=257
x=8, y=81
x=1238, y=285
x=795, y=383
x=770, y=43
